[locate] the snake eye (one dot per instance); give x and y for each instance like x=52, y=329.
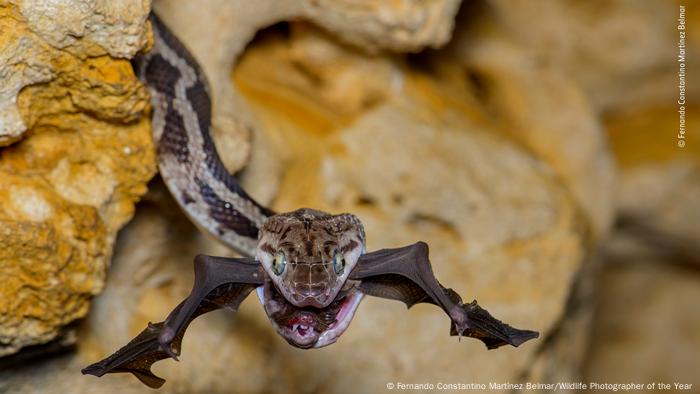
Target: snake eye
x=279, y=262
x=338, y=263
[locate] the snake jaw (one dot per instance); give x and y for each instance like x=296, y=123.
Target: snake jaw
x=310, y=327
x=343, y=319
x=308, y=256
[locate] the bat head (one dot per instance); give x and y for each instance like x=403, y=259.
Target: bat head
x=308, y=256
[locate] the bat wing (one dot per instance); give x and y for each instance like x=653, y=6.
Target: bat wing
x=405, y=274
x=219, y=282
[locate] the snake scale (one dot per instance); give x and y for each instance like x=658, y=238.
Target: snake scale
x=309, y=268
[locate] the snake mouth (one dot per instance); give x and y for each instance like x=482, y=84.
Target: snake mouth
x=343, y=318
x=310, y=327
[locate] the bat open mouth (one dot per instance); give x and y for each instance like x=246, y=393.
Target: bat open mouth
x=309, y=327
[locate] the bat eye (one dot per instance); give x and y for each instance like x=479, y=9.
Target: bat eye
x=338, y=263
x=279, y=262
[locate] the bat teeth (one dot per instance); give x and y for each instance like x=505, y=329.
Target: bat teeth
x=301, y=329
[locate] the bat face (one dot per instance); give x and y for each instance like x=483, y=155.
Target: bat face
x=308, y=256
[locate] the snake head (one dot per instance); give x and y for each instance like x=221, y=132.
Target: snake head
x=309, y=254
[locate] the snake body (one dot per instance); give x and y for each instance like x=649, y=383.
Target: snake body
x=316, y=250
x=309, y=268
x=187, y=157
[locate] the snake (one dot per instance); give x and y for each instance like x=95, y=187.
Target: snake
x=309, y=268
x=213, y=199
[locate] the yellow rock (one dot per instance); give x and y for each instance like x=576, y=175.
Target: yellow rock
x=644, y=135
x=626, y=346
x=68, y=185
x=413, y=156
x=660, y=181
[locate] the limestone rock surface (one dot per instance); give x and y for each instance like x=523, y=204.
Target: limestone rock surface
x=89, y=27
x=619, y=52
x=520, y=151
x=542, y=107
x=404, y=25
x=660, y=182
x=641, y=296
x=42, y=40
x=71, y=182
x=415, y=159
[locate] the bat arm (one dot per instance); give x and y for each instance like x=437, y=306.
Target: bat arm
x=210, y=272
x=406, y=274
x=219, y=282
x=412, y=263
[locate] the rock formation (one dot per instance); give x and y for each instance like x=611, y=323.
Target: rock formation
x=505, y=144
x=78, y=156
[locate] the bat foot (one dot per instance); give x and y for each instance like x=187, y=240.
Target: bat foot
x=167, y=348
x=170, y=352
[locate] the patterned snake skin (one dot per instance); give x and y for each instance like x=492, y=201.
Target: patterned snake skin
x=321, y=249
x=308, y=254
x=310, y=268
x=187, y=158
